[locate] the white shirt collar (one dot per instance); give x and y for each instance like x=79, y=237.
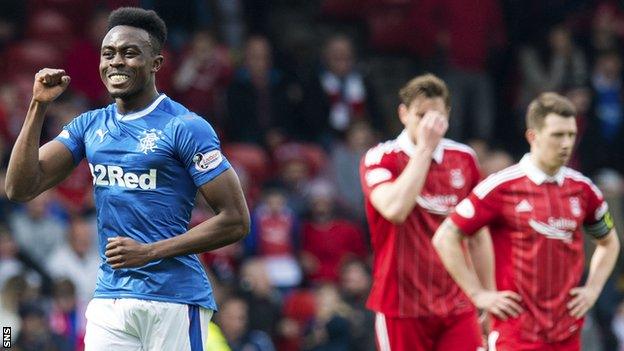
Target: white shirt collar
x=538, y=176
x=141, y=113
x=406, y=144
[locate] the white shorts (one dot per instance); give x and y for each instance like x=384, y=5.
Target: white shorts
x=145, y=325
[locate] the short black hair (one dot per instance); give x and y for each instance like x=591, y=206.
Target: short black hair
x=147, y=20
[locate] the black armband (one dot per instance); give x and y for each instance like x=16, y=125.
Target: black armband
x=601, y=228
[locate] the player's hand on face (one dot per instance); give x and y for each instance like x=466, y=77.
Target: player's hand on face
x=502, y=304
x=583, y=298
x=49, y=84
x=431, y=129
x=123, y=252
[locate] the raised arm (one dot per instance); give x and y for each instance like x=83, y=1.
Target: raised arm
x=230, y=224
x=32, y=169
x=395, y=200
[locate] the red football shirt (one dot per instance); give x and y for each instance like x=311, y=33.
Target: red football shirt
x=409, y=279
x=331, y=244
x=535, y=221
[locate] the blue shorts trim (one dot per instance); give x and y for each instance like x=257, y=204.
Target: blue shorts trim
x=195, y=331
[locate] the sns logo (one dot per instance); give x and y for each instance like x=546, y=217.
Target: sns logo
x=115, y=176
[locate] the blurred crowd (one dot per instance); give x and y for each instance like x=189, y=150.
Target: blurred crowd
x=298, y=90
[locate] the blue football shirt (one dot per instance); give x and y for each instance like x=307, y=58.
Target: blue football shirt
x=147, y=167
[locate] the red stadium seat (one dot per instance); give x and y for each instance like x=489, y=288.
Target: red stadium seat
x=50, y=26
x=317, y=157
x=312, y=154
x=299, y=307
x=343, y=9
x=251, y=157
x=388, y=24
x=77, y=11
x=32, y=55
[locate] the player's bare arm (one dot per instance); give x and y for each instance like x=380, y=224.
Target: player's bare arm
x=32, y=169
x=395, y=200
x=447, y=242
x=482, y=255
x=230, y=224
x=601, y=265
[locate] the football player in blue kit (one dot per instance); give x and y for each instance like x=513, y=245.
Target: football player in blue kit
x=148, y=156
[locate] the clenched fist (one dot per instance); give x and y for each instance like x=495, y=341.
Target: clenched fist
x=124, y=252
x=49, y=84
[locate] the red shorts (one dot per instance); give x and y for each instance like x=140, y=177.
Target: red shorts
x=502, y=340
x=458, y=333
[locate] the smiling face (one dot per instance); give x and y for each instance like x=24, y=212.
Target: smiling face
x=128, y=63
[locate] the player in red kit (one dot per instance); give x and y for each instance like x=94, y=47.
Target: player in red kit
x=535, y=211
x=410, y=184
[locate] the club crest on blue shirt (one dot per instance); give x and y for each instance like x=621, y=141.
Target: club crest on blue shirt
x=148, y=140
x=207, y=161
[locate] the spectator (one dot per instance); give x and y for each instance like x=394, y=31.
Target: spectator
x=13, y=263
x=260, y=100
x=618, y=326
x=466, y=37
x=581, y=97
x=233, y=320
x=298, y=312
x=496, y=160
x=345, y=161
x=35, y=333
x=607, y=28
x=231, y=23
x=13, y=96
x=5, y=134
x=552, y=65
x=338, y=94
x=77, y=260
x=67, y=316
x=604, y=137
x=12, y=18
x=274, y=237
x=355, y=283
x=491, y=160
x=590, y=335
x=6, y=206
x=10, y=265
x=297, y=164
x=83, y=56
x=328, y=239
x=10, y=297
x=203, y=75
x=262, y=298
x=182, y=18
x=330, y=328
x=28, y=225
